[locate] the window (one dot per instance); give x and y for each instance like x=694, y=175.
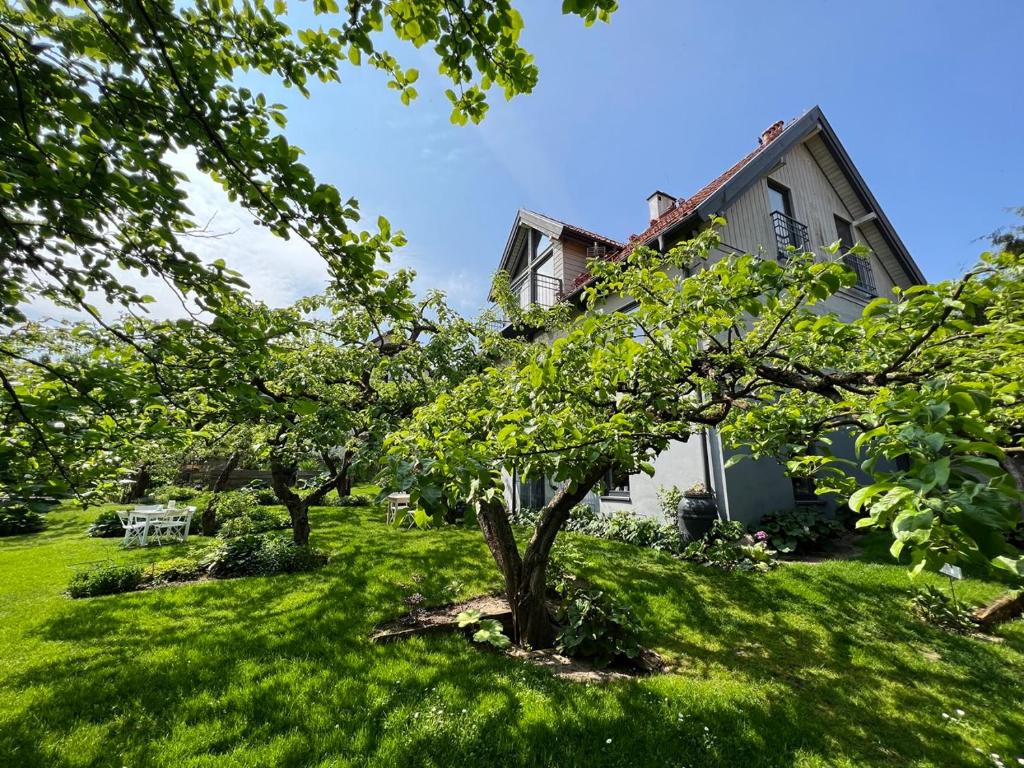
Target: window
x=541, y=244
x=859, y=264
x=531, y=493
x=779, y=199
x=789, y=233
x=616, y=485
x=844, y=230
x=804, y=490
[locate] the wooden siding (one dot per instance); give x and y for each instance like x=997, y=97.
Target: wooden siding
x=574, y=263
x=815, y=203
x=869, y=234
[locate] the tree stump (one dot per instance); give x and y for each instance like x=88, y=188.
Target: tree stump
x=1009, y=606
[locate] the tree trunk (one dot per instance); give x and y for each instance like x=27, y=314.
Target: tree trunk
x=210, y=512
x=298, y=508
x=139, y=486
x=341, y=472
x=525, y=578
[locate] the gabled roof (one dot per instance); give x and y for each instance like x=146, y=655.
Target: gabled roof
x=718, y=194
x=554, y=229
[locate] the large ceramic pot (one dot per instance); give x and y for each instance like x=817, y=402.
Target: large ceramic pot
x=697, y=513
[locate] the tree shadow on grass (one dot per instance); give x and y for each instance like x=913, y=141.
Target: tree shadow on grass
x=846, y=654
x=279, y=670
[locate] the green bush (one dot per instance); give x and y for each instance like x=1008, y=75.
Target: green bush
x=167, y=493
x=621, y=525
x=233, y=504
x=106, y=580
x=595, y=626
x=641, y=531
x=933, y=606
x=728, y=547
x=261, y=493
x=261, y=554
x=18, y=518
x=106, y=525
x=175, y=569
x=354, y=500
x=799, y=530
x=254, y=520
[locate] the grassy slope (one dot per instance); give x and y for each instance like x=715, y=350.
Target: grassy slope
x=811, y=665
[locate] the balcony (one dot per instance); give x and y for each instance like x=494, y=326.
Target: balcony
x=541, y=290
x=865, y=277
x=532, y=289
x=789, y=232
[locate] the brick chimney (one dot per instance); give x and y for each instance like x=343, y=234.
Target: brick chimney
x=771, y=132
x=659, y=203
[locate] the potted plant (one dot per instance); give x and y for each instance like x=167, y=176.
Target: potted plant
x=697, y=512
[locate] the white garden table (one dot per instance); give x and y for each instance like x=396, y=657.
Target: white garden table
x=150, y=518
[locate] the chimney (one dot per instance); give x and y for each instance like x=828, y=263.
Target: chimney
x=659, y=203
x=771, y=132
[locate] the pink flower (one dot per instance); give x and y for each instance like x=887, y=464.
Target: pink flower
x=761, y=536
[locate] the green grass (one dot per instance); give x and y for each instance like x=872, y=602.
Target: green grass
x=811, y=665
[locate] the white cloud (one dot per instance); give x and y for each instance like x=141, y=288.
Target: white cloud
x=278, y=271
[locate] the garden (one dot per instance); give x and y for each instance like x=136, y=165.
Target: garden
x=249, y=532
x=281, y=670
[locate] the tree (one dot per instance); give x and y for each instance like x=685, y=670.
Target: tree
x=325, y=380
x=79, y=407
x=742, y=344
x=100, y=97
x=1011, y=238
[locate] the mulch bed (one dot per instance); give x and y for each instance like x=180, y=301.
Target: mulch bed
x=427, y=621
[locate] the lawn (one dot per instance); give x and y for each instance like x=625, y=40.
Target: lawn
x=811, y=665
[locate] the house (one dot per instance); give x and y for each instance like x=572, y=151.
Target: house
x=798, y=187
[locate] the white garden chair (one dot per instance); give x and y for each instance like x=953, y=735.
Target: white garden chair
x=396, y=503
x=134, y=528
x=176, y=524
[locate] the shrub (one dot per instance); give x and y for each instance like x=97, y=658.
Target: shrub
x=233, y=504
x=592, y=624
x=260, y=554
x=176, y=493
x=254, y=520
x=933, y=606
x=354, y=500
x=106, y=525
x=669, y=499
x=726, y=546
x=261, y=493
x=106, y=580
x=799, y=530
x=641, y=531
x=621, y=525
x=175, y=569
x=18, y=518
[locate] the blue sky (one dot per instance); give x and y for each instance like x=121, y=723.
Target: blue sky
x=924, y=95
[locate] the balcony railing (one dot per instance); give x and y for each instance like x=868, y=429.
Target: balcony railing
x=865, y=277
x=789, y=232
x=533, y=288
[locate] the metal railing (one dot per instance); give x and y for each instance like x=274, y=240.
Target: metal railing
x=533, y=288
x=865, y=277
x=789, y=232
